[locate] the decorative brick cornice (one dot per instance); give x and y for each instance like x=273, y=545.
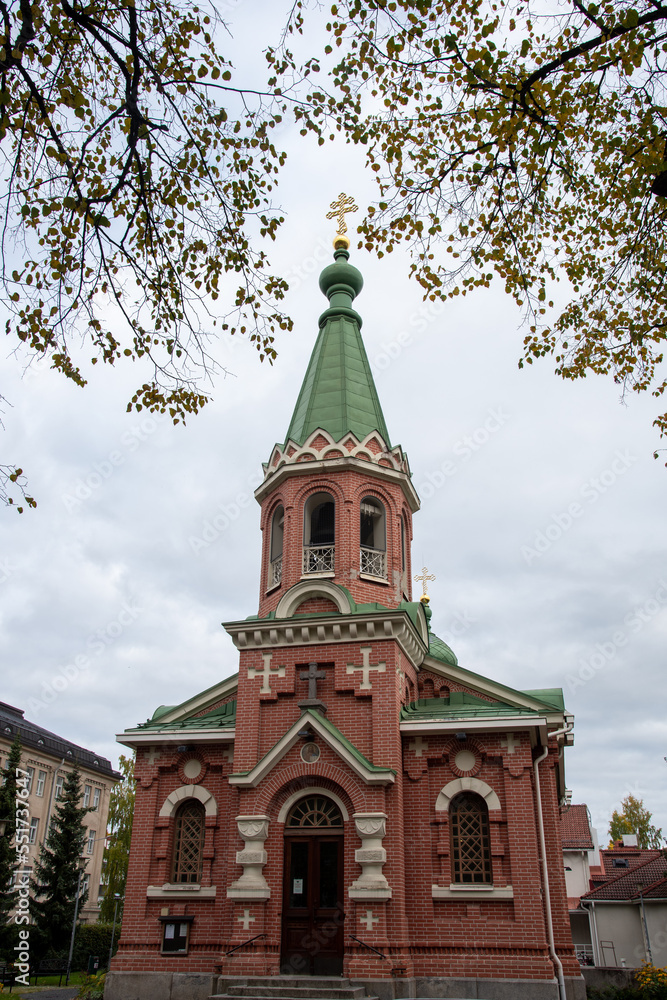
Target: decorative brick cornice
x=321, y=453
x=277, y=632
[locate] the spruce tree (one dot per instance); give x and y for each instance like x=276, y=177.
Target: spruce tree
x=56, y=874
x=8, y=854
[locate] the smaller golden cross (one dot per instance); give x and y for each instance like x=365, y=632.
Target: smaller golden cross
x=344, y=204
x=424, y=578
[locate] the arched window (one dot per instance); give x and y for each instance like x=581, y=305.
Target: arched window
x=470, y=840
x=276, y=553
x=319, y=534
x=373, y=538
x=315, y=812
x=188, y=842
x=404, y=561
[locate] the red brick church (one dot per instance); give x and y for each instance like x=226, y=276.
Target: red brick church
x=353, y=803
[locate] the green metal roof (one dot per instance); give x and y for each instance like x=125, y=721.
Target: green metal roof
x=223, y=717
x=459, y=704
x=336, y=733
x=338, y=392
x=439, y=650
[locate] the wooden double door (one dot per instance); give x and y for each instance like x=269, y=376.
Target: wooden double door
x=313, y=914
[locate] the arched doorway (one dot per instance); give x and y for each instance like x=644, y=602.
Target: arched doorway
x=313, y=914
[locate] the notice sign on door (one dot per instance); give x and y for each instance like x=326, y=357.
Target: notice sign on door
x=297, y=886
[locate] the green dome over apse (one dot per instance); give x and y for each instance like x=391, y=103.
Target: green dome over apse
x=338, y=392
x=441, y=651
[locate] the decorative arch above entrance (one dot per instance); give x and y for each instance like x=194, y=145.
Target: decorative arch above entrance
x=313, y=892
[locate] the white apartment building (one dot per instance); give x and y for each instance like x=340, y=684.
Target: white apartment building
x=47, y=758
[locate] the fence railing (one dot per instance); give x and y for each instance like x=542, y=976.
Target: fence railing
x=318, y=558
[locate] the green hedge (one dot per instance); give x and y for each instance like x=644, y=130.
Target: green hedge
x=93, y=939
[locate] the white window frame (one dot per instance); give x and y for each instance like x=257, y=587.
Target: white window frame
x=58, y=786
x=41, y=782
x=90, y=846
x=34, y=827
x=87, y=789
x=97, y=795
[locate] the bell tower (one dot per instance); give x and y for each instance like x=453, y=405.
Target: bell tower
x=337, y=498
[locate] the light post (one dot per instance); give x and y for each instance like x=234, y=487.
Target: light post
x=647, y=940
x=117, y=896
x=81, y=864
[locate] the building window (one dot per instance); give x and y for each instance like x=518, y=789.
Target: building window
x=58, y=789
x=87, y=790
x=188, y=842
x=90, y=846
x=34, y=826
x=31, y=777
x=404, y=562
x=319, y=534
x=41, y=781
x=175, y=936
x=276, y=553
x=470, y=840
x=315, y=811
x=373, y=538
x=96, y=798
x=85, y=885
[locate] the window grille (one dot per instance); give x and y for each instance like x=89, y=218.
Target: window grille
x=189, y=842
x=315, y=811
x=34, y=826
x=58, y=790
x=471, y=843
x=87, y=790
x=41, y=780
x=96, y=798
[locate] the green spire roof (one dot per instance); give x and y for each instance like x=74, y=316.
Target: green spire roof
x=338, y=392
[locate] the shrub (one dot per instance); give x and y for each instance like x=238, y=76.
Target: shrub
x=92, y=987
x=652, y=982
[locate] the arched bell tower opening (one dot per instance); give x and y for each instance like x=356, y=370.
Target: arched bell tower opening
x=313, y=913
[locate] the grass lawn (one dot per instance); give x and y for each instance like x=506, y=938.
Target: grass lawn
x=75, y=979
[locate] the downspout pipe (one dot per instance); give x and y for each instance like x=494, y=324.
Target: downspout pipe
x=543, y=857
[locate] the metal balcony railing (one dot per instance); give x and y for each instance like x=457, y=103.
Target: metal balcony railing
x=276, y=572
x=318, y=558
x=373, y=562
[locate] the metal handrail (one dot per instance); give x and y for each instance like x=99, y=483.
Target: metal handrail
x=370, y=947
x=244, y=944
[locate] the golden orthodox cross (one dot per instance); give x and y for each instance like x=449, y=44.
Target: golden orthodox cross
x=424, y=578
x=345, y=203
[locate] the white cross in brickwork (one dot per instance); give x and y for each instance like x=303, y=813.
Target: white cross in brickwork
x=366, y=668
x=266, y=673
x=152, y=755
x=228, y=754
x=246, y=920
x=418, y=745
x=369, y=920
x=511, y=743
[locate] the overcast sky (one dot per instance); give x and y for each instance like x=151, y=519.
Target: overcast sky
x=542, y=512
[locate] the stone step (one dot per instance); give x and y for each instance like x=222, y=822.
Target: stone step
x=293, y=992
x=296, y=994
x=317, y=982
